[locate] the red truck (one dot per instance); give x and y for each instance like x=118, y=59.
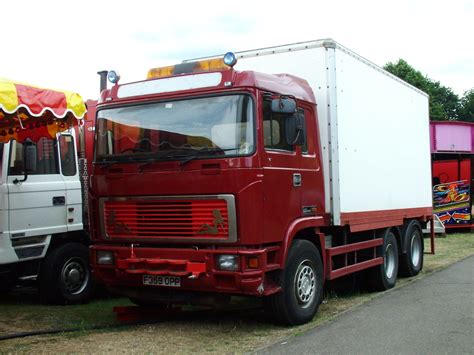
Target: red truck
x=215, y=178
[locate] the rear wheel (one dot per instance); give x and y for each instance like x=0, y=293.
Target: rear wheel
x=384, y=276
x=301, y=283
x=411, y=263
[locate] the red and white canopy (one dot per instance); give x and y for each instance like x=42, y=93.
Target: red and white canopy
x=31, y=112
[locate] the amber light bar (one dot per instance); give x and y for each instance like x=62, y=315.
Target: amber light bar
x=224, y=63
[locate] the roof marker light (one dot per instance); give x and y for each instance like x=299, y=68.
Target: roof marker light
x=230, y=59
x=113, y=77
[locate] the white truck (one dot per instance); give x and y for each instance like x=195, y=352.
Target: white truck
x=42, y=234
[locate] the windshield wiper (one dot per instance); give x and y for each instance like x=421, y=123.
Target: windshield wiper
x=163, y=158
x=107, y=163
x=196, y=153
x=138, y=158
x=181, y=154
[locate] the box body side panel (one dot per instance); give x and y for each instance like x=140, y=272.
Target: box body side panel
x=383, y=138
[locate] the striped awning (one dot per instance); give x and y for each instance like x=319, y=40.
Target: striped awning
x=31, y=112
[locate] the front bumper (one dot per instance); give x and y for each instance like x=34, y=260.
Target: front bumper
x=197, y=270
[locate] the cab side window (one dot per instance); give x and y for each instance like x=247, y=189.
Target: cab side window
x=68, y=155
x=46, y=159
x=304, y=147
x=274, y=129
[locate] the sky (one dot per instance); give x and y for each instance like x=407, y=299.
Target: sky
x=62, y=44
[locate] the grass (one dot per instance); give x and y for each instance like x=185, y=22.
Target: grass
x=20, y=312
x=226, y=331
x=449, y=249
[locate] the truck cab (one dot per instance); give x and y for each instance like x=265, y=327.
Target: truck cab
x=42, y=238
x=187, y=182
x=48, y=202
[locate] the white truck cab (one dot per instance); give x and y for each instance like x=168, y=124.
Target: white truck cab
x=42, y=236
x=48, y=202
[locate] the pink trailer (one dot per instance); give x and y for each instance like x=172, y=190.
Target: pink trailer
x=452, y=148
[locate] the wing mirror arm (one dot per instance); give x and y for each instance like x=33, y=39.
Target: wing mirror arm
x=30, y=154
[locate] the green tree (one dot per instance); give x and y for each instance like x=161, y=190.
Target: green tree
x=466, y=112
x=444, y=103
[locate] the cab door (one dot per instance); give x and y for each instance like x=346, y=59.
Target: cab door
x=312, y=183
x=71, y=176
x=282, y=177
x=38, y=204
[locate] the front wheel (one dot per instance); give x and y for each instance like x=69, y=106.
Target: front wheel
x=302, y=286
x=65, y=275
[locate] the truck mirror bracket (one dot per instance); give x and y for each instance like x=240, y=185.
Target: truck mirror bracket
x=29, y=161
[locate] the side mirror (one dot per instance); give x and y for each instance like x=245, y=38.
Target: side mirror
x=31, y=153
x=295, y=129
x=283, y=105
x=29, y=161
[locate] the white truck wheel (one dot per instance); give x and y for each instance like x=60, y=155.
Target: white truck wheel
x=65, y=275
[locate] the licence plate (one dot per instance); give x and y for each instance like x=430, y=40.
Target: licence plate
x=169, y=281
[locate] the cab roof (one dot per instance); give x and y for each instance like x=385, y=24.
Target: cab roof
x=284, y=84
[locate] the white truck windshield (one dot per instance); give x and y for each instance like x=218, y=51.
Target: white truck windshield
x=201, y=127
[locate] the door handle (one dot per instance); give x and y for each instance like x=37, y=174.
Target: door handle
x=59, y=200
x=297, y=180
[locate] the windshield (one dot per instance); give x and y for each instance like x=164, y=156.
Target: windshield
x=212, y=126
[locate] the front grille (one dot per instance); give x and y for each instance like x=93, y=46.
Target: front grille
x=170, y=218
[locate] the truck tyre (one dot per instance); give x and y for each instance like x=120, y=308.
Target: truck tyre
x=384, y=276
x=65, y=275
x=411, y=262
x=302, y=286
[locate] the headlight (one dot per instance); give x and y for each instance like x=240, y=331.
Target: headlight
x=105, y=257
x=228, y=262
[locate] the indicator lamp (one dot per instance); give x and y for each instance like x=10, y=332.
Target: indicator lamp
x=113, y=76
x=230, y=59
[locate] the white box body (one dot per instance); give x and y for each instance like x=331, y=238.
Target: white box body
x=374, y=127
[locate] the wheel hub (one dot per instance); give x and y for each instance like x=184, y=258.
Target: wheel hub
x=389, y=261
x=305, y=284
x=74, y=276
x=415, y=250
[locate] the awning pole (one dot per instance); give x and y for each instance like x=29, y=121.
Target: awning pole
x=19, y=120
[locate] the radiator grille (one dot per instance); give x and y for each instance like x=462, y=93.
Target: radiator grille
x=163, y=218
